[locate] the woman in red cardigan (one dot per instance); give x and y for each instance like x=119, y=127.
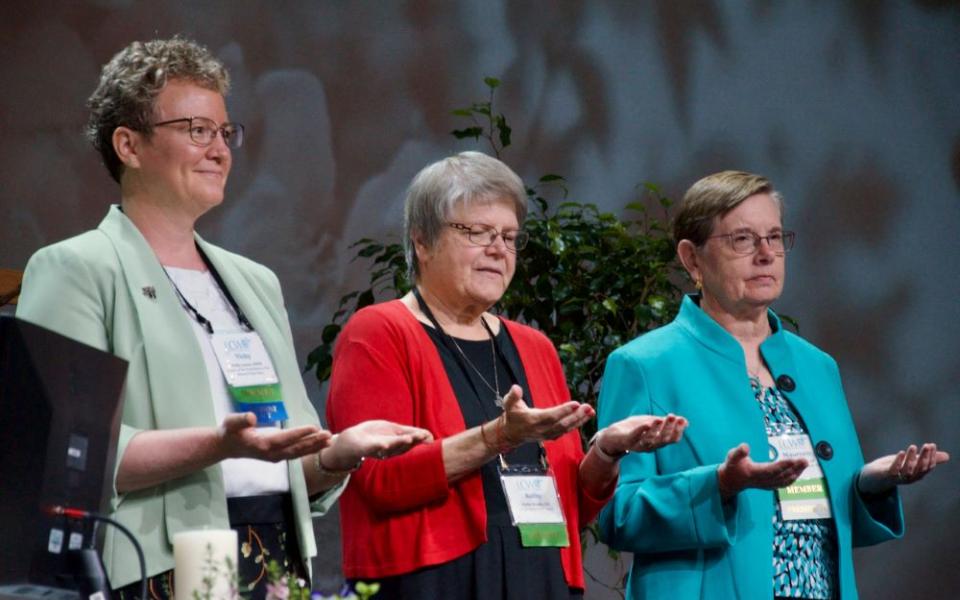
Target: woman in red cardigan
x=493, y=508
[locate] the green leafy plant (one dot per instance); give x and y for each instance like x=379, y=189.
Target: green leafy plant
x=287, y=586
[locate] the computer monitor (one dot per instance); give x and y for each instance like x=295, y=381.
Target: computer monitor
x=59, y=421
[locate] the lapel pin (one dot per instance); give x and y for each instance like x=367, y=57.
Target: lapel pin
x=150, y=292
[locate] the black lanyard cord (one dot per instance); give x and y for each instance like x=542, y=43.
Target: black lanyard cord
x=199, y=318
x=448, y=341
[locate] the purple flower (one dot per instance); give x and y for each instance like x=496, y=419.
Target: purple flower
x=277, y=591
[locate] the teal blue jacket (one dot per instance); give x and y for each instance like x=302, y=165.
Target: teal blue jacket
x=667, y=510
x=107, y=289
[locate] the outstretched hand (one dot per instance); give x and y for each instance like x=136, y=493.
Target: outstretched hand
x=904, y=467
x=525, y=424
x=641, y=433
x=374, y=439
x=738, y=472
x=240, y=437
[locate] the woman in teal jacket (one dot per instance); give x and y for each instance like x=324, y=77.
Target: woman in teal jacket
x=767, y=494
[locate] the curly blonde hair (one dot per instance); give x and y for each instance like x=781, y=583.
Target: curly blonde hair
x=132, y=79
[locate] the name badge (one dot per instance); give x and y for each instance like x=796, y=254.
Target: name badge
x=535, y=507
x=807, y=497
x=251, y=380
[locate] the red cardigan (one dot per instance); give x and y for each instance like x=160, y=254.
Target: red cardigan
x=400, y=514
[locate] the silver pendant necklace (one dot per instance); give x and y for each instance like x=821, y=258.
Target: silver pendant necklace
x=495, y=388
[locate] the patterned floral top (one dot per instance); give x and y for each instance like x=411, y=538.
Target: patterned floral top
x=804, y=551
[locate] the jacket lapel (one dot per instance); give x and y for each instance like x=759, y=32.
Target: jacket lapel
x=254, y=302
x=173, y=358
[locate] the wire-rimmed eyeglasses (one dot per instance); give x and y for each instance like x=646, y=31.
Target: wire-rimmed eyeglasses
x=485, y=235
x=203, y=131
x=748, y=242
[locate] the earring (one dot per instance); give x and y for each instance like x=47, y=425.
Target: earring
x=698, y=284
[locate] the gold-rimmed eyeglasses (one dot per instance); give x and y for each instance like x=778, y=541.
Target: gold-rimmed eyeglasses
x=747, y=242
x=203, y=131
x=485, y=235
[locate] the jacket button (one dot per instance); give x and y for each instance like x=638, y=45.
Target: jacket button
x=824, y=450
x=786, y=383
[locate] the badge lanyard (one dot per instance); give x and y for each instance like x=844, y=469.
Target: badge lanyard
x=530, y=490
x=243, y=359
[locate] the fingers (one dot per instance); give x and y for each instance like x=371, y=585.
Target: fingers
x=925, y=461
x=739, y=472
x=737, y=455
x=779, y=474
x=577, y=418
x=514, y=399
x=525, y=424
x=637, y=438
x=643, y=433
x=896, y=464
x=302, y=447
x=416, y=434
x=287, y=444
x=906, y=466
x=235, y=422
x=670, y=431
x=910, y=462
x=730, y=475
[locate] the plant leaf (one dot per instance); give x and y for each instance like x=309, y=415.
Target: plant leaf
x=474, y=132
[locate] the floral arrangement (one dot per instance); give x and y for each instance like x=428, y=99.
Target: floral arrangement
x=287, y=586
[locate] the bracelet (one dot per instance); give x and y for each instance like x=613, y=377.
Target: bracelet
x=486, y=442
x=334, y=473
x=500, y=442
x=603, y=454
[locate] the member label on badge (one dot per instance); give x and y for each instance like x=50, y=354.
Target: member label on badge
x=243, y=359
x=808, y=496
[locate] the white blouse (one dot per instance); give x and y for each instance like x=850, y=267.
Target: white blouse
x=241, y=476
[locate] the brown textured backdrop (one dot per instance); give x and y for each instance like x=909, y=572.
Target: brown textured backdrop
x=850, y=107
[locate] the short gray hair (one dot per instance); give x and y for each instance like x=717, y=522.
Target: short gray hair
x=130, y=82
x=714, y=196
x=461, y=179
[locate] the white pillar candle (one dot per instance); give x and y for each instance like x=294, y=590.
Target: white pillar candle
x=205, y=554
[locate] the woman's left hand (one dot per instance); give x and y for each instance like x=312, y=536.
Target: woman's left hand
x=640, y=433
x=374, y=439
x=907, y=466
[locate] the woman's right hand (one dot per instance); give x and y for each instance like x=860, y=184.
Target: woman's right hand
x=738, y=472
x=524, y=424
x=240, y=437
x=156, y=456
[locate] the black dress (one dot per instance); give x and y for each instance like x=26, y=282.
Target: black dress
x=501, y=568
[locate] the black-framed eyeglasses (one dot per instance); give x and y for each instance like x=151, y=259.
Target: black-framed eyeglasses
x=748, y=242
x=203, y=131
x=485, y=235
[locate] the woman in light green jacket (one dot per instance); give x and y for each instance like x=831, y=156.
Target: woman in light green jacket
x=147, y=288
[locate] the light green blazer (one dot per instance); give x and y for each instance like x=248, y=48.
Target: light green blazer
x=107, y=289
